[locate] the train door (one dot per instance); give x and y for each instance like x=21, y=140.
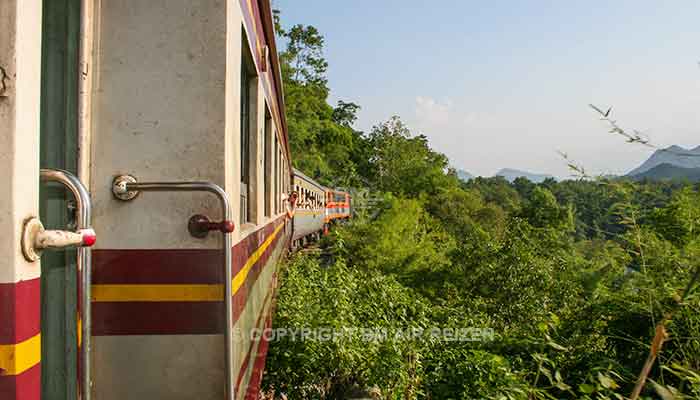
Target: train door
x=38, y=113
x=59, y=149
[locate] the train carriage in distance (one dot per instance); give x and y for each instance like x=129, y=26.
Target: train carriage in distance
x=338, y=205
x=310, y=209
x=159, y=128
x=316, y=208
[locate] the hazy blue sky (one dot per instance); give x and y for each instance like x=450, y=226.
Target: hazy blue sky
x=506, y=84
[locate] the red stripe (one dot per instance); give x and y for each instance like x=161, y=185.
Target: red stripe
x=240, y=298
x=259, y=366
x=157, y=318
x=25, y=386
x=256, y=377
x=339, y=205
x=196, y=266
x=20, y=311
x=176, y=266
x=246, y=359
x=149, y=266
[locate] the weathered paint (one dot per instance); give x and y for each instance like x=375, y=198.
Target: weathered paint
x=175, y=291
x=158, y=97
x=166, y=107
x=20, y=52
x=59, y=149
x=171, y=348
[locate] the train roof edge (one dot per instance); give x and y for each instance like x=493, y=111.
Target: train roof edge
x=308, y=179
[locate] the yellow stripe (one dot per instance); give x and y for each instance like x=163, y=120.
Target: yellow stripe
x=17, y=358
x=178, y=292
x=307, y=212
x=159, y=292
x=243, y=273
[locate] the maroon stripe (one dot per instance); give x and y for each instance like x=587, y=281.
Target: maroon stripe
x=157, y=318
x=253, y=390
x=249, y=353
x=166, y=318
x=20, y=311
x=240, y=298
x=163, y=318
x=196, y=266
x=25, y=386
x=259, y=365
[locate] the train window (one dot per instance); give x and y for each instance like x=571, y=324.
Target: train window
x=279, y=180
x=275, y=187
x=285, y=181
x=248, y=84
x=267, y=164
x=284, y=187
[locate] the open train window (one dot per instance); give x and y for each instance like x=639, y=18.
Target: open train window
x=248, y=85
x=267, y=162
x=275, y=193
x=279, y=180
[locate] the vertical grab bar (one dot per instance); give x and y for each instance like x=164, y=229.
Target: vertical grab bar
x=125, y=187
x=84, y=267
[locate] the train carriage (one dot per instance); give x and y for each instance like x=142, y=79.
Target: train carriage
x=310, y=208
x=158, y=125
x=338, y=205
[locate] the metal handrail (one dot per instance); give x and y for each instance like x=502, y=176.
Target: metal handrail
x=125, y=187
x=84, y=266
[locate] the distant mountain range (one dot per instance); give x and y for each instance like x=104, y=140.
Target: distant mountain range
x=464, y=175
x=674, y=155
x=672, y=163
x=509, y=174
x=667, y=171
x=512, y=174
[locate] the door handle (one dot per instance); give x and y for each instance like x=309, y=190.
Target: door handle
x=127, y=188
x=200, y=225
x=35, y=239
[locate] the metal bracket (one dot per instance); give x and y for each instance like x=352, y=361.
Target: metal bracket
x=3, y=85
x=120, y=190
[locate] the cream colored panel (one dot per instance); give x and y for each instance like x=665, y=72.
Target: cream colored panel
x=20, y=72
x=159, y=113
x=173, y=367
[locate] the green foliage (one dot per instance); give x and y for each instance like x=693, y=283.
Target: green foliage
x=404, y=241
x=339, y=298
x=572, y=277
x=542, y=210
x=321, y=137
x=679, y=221
x=404, y=164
